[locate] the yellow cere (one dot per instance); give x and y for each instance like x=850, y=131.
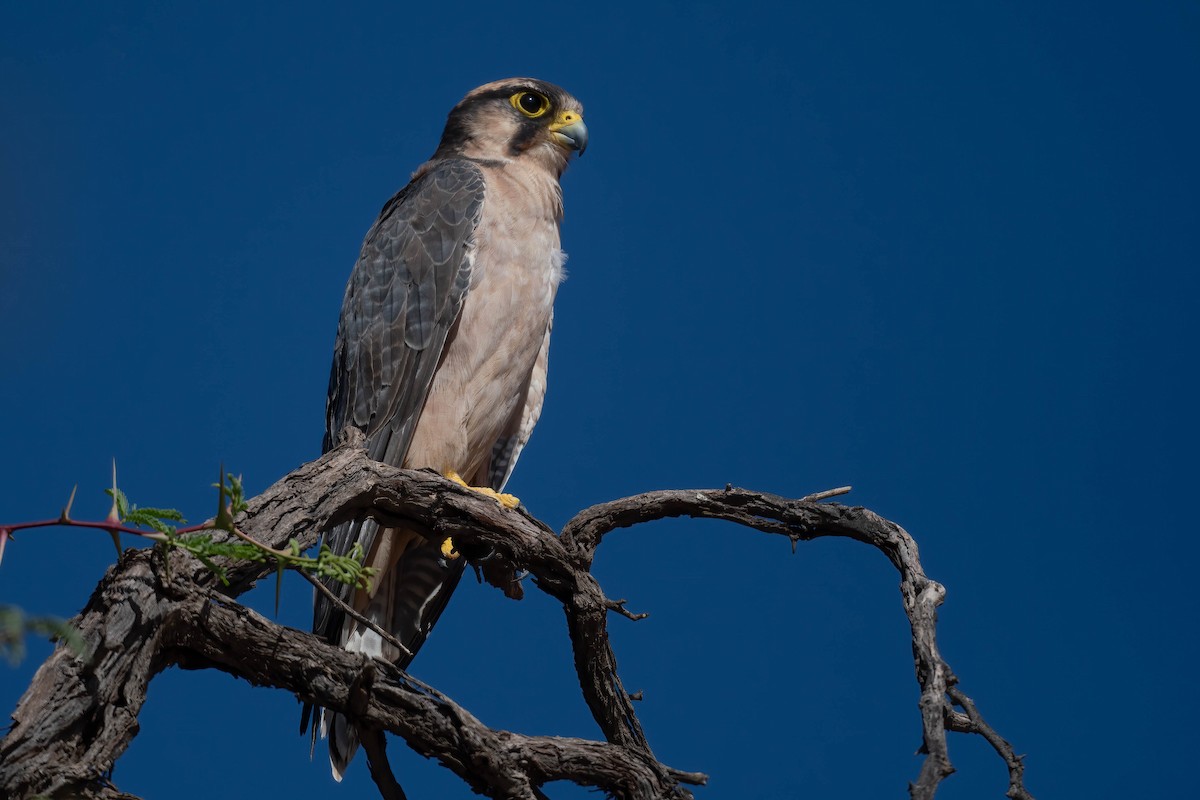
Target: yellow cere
x=565, y=118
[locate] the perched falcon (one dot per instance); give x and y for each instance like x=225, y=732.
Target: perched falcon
x=441, y=348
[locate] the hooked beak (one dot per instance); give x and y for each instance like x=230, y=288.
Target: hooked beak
x=570, y=132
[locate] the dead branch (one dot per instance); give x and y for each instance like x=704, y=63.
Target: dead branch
x=78, y=716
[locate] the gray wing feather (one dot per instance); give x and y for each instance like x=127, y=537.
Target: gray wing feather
x=401, y=303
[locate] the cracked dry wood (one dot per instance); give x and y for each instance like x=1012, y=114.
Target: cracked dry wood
x=76, y=718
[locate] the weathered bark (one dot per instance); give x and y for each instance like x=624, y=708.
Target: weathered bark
x=77, y=717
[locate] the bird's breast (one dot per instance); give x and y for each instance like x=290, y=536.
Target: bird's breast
x=484, y=374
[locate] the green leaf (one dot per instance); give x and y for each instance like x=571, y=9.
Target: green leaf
x=14, y=626
x=121, y=500
x=237, y=495
x=162, y=513
x=152, y=518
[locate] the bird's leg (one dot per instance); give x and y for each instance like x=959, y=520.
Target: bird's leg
x=505, y=500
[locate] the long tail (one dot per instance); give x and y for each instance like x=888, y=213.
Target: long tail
x=411, y=589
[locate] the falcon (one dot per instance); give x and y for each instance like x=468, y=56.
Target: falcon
x=440, y=357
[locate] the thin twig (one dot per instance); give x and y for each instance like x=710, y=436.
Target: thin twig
x=375, y=744
x=350, y=612
x=619, y=607
x=282, y=555
x=976, y=724
x=825, y=495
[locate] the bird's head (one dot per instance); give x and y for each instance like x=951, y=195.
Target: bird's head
x=516, y=118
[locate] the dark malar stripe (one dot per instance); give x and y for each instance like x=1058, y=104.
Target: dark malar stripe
x=525, y=136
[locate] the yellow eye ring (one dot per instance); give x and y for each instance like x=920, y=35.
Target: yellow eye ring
x=531, y=104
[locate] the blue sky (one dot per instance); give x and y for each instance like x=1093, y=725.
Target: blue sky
x=946, y=253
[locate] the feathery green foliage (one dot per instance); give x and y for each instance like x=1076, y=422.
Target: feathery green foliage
x=206, y=546
x=208, y=543
x=15, y=625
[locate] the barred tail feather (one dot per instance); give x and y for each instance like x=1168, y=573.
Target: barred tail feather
x=415, y=581
x=343, y=742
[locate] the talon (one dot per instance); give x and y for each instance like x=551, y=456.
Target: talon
x=505, y=500
x=448, y=548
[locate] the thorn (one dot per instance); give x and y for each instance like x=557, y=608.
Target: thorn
x=4, y=537
x=65, y=517
x=114, y=515
x=635, y=696
x=794, y=539
x=224, y=519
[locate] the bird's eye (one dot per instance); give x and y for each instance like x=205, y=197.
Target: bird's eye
x=531, y=104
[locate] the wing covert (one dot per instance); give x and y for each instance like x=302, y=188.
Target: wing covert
x=401, y=302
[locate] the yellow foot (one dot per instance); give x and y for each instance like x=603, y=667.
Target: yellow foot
x=506, y=500
x=448, y=549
